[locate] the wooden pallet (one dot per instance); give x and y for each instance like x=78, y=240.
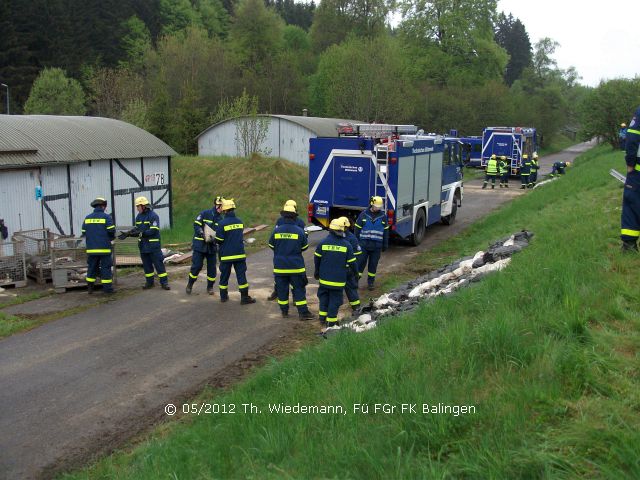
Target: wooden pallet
x=13, y=283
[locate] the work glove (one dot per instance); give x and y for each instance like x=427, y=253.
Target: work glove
x=316, y=275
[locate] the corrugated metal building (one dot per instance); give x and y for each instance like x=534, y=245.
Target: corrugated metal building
x=287, y=137
x=51, y=167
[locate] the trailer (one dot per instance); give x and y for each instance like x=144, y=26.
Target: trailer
x=418, y=176
x=511, y=142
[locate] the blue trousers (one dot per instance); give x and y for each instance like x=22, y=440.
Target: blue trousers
x=330, y=300
x=504, y=178
x=241, y=275
x=197, y=260
x=524, y=178
x=630, y=224
x=153, y=260
x=533, y=177
x=103, y=264
x=298, y=284
x=490, y=177
x=372, y=255
x=351, y=289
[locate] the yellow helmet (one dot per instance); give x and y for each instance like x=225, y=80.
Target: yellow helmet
x=493, y=156
x=535, y=154
x=228, y=204
x=623, y=125
x=219, y=199
x=141, y=201
x=290, y=204
x=345, y=222
x=503, y=157
x=525, y=156
x=337, y=225
x=289, y=208
x=568, y=164
x=376, y=202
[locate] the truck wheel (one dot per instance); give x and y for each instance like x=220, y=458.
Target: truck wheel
x=449, y=219
x=416, y=238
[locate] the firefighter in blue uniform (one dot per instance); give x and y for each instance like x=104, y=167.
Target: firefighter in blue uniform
x=372, y=232
x=204, y=245
x=525, y=172
x=622, y=136
x=230, y=238
x=503, y=170
x=351, y=288
x=280, y=221
x=491, y=172
x=535, y=166
x=630, y=222
x=99, y=231
x=558, y=168
x=333, y=258
x=147, y=229
x=288, y=241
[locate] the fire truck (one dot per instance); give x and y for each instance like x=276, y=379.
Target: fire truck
x=512, y=142
x=418, y=176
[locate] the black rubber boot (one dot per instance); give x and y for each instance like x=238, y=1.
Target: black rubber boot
x=284, y=313
x=306, y=316
x=631, y=247
x=90, y=288
x=245, y=299
x=189, y=286
x=165, y=286
x=273, y=296
x=147, y=286
x=323, y=320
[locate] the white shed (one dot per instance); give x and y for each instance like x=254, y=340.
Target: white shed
x=287, y=136
x=52, y=167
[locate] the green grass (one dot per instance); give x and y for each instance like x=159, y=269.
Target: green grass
x=10, y=324
x=547, y=351
x=260, y=186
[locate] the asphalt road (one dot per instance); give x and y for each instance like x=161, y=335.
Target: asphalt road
x=80, y=386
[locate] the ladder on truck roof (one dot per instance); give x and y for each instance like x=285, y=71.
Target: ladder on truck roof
x=382, y=171
x=515, y=148
x=375, y=130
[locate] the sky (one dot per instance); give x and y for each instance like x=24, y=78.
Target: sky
x=599, y=38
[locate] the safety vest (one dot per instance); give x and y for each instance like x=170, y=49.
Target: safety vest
x=99, y=230
x=503, y=166
x=372, y=229
x=492, y=166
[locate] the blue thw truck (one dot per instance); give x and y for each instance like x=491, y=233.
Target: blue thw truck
x=512, y=142
x=418, y=176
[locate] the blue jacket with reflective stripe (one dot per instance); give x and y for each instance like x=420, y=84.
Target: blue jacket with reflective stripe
x=288, y=241
x=99, y=230
x=148, y=223
x=333, y=258
x=353, y=241
x=632, y=152
x=230, y=238
x=298, y=222
x=372, y=229
x=206, y=217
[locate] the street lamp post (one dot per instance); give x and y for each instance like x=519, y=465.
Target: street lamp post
x=7, y=87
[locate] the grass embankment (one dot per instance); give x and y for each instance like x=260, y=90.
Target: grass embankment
x=547, y=351
x=260, y=186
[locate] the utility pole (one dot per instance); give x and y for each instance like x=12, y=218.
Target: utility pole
x=7, y=87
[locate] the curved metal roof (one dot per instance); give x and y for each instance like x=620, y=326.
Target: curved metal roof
x=322, y=127
x=27, y=140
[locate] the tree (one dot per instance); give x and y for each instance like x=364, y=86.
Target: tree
x=53, y=93
x=251, y=129
x=607, y=106
x=335, y=20
x=135, y=42
x=359, y=80
x=511, y=35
